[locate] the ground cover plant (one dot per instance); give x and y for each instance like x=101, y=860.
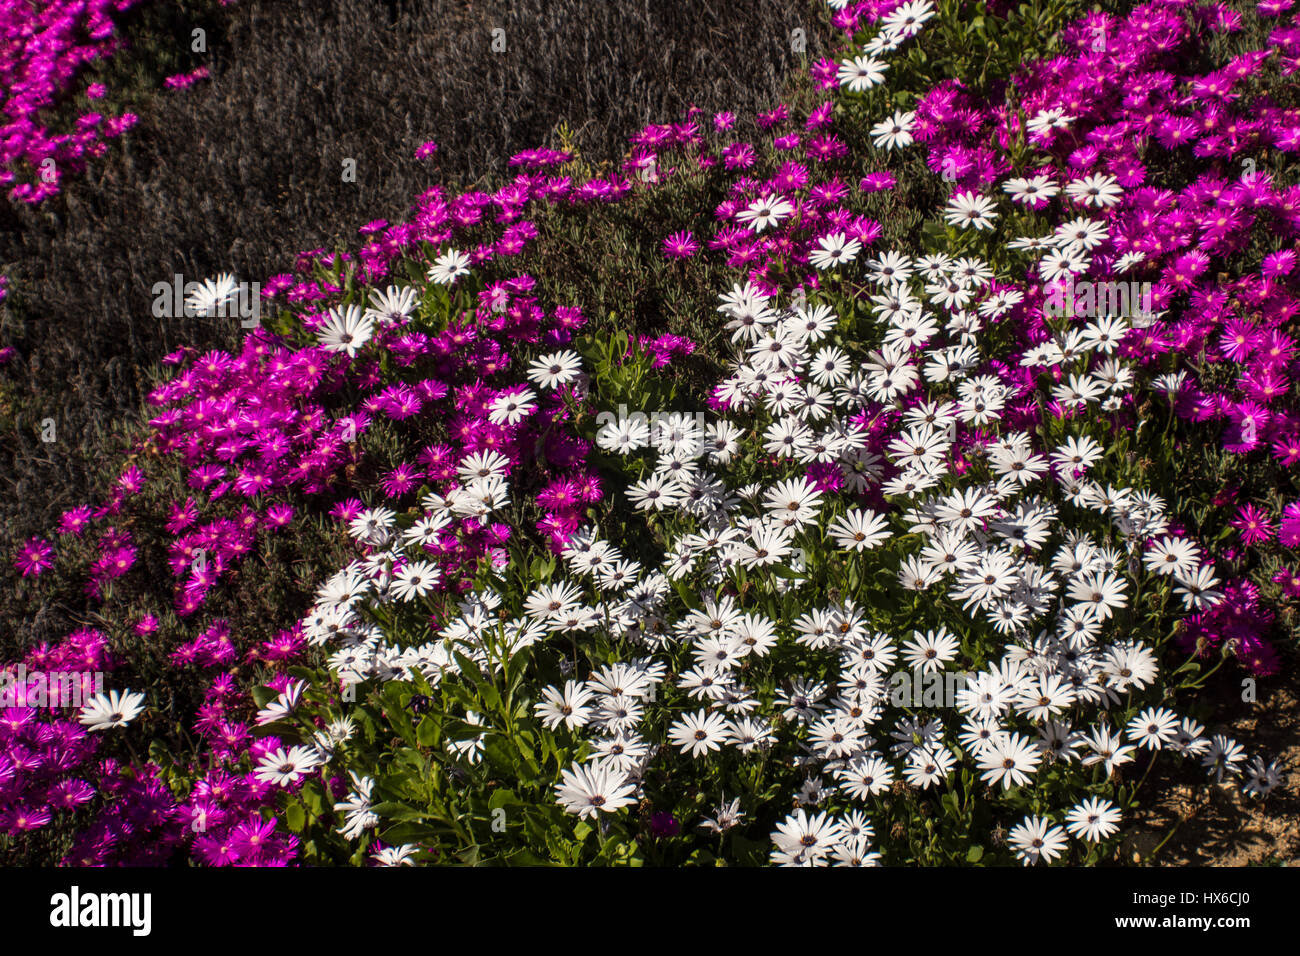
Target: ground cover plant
x=881, y=480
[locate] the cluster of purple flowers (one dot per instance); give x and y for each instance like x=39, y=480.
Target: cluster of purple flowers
x=46, y=757
x=43, y=48
x=183, y=81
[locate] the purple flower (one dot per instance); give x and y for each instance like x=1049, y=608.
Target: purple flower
x=663, y=824
x=34, y=557
x=1288, y=534
x=1278, y=264
x=680, y=245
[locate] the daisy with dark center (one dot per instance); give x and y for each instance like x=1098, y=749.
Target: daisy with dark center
x=861, y=73
x=700, y=732
x=1010, y=760
x=555, y=369
x=114, y=709
x=801, y=840
x=834, y=250
x=895, y=132
x=765, y=212
x=345, y=331
x=571, y=707
x=1153, y=727
x=285, y=768
x=1036, y=839
x=930, y=651
x=592, y=789
x=448, y=267
x=860, y=530
x=970, y=210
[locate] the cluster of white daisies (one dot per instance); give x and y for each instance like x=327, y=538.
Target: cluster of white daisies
x=985, y=541
x=990, y=539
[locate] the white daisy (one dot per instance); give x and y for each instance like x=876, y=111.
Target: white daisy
x=834, y=250
x=345, y=331
x=285, y=768
x=392, y=306
x=511, y=407
x=700, y=732
x=895, y=132
x=1036, y=838
x=114, y=709
x=1097, y=189
x=449, y=267
x=557, y=368
x=593, y=789
x=860, y=530
x=862, y=73
x=415, y=580
x=765, y=212
x=210, y=298
x=968, y=209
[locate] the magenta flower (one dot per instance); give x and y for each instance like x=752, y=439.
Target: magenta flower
x=821, y=115
x=1290, y=581
x=1289, y=531
x=182, y=516
x=1253, y=523
x=34, y=557
x=400, y=480
x=877, y=182
x=279, y=515
x=1278, y=264
x=680, y=245
x=75, y=520
x=182, y=81
x=131, y=481
x=345, y=511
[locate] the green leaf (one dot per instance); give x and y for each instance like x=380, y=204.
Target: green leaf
x=426, y=734
x=311, y=798
x=401, y=812
x=470, y=856
x=503, y=798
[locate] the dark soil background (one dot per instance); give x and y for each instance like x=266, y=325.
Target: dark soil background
x=1188, y=823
